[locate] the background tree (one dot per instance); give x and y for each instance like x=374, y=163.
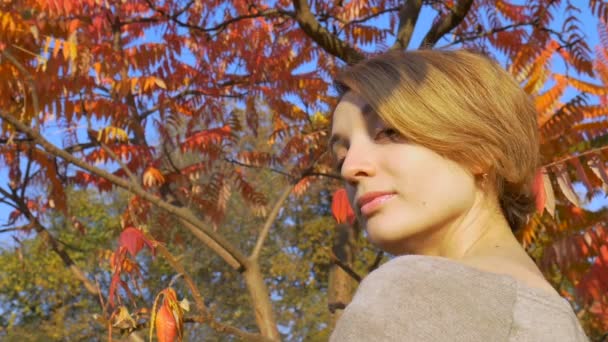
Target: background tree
x=209, y=112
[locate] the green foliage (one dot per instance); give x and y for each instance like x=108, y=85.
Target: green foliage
x=40, y=299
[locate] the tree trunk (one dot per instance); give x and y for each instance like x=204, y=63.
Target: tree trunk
x=260, y=301
x=341, y=284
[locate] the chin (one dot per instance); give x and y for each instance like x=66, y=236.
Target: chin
x=392, y=236
x=387, y=240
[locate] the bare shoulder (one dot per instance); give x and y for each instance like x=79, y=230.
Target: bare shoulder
x=518, y=267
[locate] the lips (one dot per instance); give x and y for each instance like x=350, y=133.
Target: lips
x=371, y=201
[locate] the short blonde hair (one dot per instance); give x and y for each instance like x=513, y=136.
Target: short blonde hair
x=462, y=105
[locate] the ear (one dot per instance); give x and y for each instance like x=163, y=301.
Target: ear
x=478, y=172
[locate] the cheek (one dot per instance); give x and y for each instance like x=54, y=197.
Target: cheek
x=432, y=180
x=452, y=189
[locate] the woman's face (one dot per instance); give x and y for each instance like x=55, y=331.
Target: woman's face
x=406, y=196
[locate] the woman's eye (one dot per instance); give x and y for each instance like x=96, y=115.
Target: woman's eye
x=388, y=133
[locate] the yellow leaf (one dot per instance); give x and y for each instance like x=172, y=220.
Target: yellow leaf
x=6, y=18
x=549, y=195
x=112, y=134
x=73, y=47
x=35, y=33
x=160, y=83
x=123, y=320
x=565, y=184
x=184, y=304
x=318, y=119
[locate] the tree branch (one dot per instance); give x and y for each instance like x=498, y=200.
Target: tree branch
x=467, y=36
x=14, y=229
x=123, y=166
x=369, y=17
x=376, y=262
x=236, y=162
x=563, y=160
x=79, y=147
x=225, y=328
x=220, y=245
x=270, y=220
x=331, y=43
x=408, y=16
x=26, y=176
x=4, y=141
x=345, y=267
x=220, y=27
x=447, y=23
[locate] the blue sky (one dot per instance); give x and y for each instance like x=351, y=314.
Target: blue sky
x=590, y=27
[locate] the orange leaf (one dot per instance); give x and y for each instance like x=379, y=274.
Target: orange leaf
x=168, y=320
x=341, y=209
x=166, y=327
x=587, y=87
x=153, y=177
x=539, y=191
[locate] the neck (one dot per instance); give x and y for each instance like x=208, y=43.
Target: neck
x=481, y=231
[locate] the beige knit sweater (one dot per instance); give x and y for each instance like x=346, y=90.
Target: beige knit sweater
x=422, y=298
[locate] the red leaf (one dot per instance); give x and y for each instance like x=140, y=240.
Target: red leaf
x=133, y=239
x=113, y=288
x=12, y=218
x=341, y=209
x=200, y=141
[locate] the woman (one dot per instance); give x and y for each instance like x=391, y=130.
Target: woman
x=438, y=150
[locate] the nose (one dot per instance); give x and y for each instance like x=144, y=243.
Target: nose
x=358, y=163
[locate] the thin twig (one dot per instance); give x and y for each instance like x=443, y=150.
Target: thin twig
x=376, y=262
x=26, y=176
x=13, y=229
x=123, y=166
x=467, y=36
x=563, y=160
x=270, y=220
x=198, y=298
x=236, y=162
